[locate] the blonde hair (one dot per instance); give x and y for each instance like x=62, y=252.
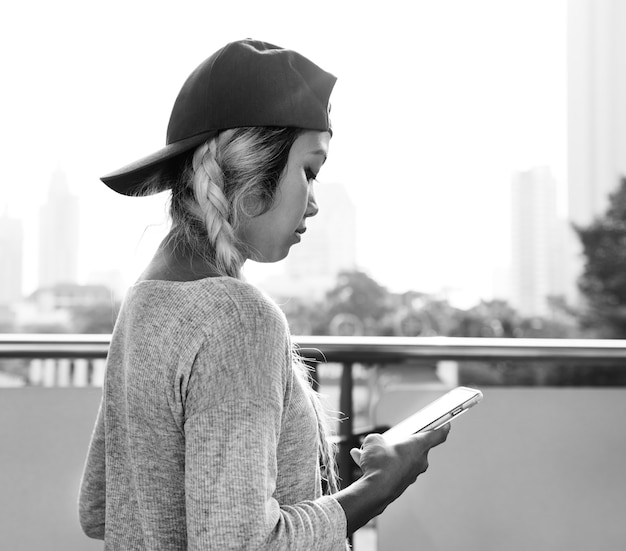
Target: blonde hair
x=228, y=178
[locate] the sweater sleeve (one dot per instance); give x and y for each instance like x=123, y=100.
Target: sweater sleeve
x=232, y=427
x=92, y=497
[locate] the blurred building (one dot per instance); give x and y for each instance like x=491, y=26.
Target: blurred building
x=58, y=234
x=537, y=242
x=327, y=248
x=55, y=305
x=11, y=258
x=596, y=113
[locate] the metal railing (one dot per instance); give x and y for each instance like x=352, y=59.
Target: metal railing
x=57, y=345
x=351, y=349
x=348, y=351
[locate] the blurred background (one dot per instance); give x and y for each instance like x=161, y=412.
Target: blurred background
x=450, y=149
x=475, y=189
x=476, y=148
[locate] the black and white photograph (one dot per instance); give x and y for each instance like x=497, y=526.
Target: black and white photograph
x=313, y=276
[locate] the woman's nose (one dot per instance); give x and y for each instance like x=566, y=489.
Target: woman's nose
x=312, y=208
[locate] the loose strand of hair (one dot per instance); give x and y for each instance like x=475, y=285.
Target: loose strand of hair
x=327, y=449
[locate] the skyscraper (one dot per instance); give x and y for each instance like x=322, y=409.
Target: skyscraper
x=537, y=251
x=596, y=112
x=596, y=104
x=11, y=257
x=58, y=234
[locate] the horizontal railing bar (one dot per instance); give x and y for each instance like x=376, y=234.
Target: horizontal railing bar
x=351, y=349
x=374, y=349
x=54, y=345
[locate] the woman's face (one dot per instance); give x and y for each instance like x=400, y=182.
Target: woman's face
x=270, y=235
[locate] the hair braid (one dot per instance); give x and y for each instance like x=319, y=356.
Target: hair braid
x=214, y=209
x=228, y=179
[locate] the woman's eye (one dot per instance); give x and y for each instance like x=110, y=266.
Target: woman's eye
x=310, y=175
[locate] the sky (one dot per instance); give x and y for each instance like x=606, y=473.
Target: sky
x=436, y=105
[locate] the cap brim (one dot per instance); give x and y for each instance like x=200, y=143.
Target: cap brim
x=130, y=179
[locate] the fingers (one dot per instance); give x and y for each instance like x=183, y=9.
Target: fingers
x=442, y=433
x=428, y=440
x=355, y=453
x=374, y=438
x=420, y=443
x=432, y=438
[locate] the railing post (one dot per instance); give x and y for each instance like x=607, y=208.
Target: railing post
x=346, y=427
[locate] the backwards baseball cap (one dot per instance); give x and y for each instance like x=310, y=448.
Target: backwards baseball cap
x=245, y=83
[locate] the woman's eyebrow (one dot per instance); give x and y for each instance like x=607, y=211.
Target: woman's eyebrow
x=319, y=152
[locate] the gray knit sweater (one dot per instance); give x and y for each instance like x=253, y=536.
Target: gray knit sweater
x=206, y=437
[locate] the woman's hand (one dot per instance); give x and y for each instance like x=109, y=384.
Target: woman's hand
x=388, y=470
x=397, y=466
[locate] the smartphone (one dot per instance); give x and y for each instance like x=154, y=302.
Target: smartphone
x=436, y=414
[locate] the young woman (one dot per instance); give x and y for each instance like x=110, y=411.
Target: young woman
x=208, y=435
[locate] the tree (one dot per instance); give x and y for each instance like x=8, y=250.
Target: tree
x=603, y=281
x=362, y=298
x=495, y=318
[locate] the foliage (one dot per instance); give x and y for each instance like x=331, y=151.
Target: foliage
x=359, y=295
x=603, y=282
x=494, y=318
x=358, y=305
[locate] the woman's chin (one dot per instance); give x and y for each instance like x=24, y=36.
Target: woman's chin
x=275, y=256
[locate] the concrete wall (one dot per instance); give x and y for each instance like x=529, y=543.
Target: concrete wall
x=528, y=468
x=540, y=469
x=44, y=434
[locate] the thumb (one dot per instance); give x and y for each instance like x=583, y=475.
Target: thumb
x=355, y=453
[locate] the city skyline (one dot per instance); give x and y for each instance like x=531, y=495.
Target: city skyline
x=429, y=123
x=321, y=259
